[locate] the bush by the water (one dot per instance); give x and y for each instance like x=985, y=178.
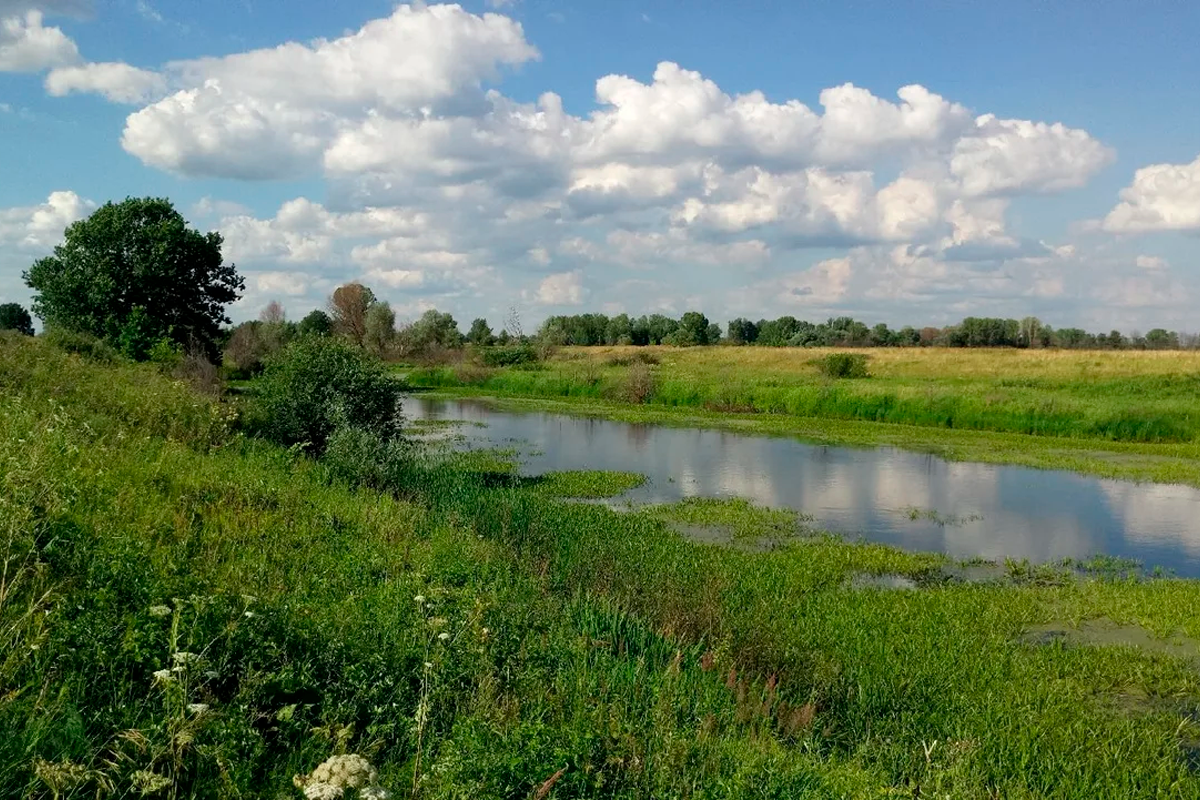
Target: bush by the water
x=639, y=383
x=500, y=356
x=843, y=365
x=361, y=458
x=318, y=384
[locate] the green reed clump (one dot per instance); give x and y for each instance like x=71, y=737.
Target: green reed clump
x=508, y=356
x=588, y=484
x=843, y=365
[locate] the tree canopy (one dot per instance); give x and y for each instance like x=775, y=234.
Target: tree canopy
x=348, y=306
x=317, y=323
x=134, y=273
x=480, y=333
x=14, y=317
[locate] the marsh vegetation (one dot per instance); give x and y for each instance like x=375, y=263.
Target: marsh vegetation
x=190, y=609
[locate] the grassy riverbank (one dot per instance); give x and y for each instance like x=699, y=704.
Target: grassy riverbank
x=1164, y=463
x=1126, y=415
x=1109, y=396
x=475, y=636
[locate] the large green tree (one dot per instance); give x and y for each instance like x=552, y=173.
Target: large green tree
x=134, y=272
x=14, y=317
x=480, y=333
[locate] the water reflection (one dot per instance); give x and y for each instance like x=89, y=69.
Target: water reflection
x=981, y=510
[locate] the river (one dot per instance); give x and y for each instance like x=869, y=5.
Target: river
x=912, y=500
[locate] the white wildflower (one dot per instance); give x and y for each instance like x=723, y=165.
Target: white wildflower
x=197, y=708
x=375, y=793
x=444, y=636
x=348, y=771
x=249, y=615
x=160, y=611
x=163, y=675
x=420, y=599
x=428, y=665
x=322, y=791
x=184, y=657
x=212, y=674
x=249, y=598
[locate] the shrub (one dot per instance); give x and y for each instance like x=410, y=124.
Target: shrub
x=639, y=357
x=245, y=351
x=83, y=344
x=508, y=356
x=471, y=374
x=362, y=458
x=197, y=371
x=166, y=354
x=843, y=365
x=317, y=384
x=639, y=384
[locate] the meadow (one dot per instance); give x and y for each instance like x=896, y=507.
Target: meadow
x=189, y=611
x=1122, y=414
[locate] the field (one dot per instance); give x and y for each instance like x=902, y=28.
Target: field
x=1125, y=414
x=186, y=611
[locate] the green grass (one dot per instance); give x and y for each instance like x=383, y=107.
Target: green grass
x=739, y=517
x=588, y=484
x=549, y=636
x=1098, y=402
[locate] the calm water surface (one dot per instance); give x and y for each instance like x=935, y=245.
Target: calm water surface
x=982, y=510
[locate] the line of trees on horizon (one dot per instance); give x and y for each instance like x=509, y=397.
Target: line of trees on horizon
x=354, y=312
x=135, y=276
x=694, y=328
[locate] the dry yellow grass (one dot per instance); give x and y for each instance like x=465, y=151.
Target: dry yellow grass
x=937, y=363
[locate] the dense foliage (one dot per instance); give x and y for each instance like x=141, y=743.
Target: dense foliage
x=316, y=385
x=133, y=273
x=694, y=328
x=14, y=317
x=843, y=365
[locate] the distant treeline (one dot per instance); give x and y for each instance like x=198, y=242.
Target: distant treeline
x=355, y=313
x=694, y=328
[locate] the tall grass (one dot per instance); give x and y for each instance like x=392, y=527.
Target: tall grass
x=1110, y=396
x=514, y=640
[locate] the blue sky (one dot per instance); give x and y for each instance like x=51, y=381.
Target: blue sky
x=744, y=159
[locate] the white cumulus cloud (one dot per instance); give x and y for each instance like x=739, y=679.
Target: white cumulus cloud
x=562, y=289
x=284, y=106
x=40, y=227
x=442, y=188
x=119, y=82
x=1162, y=197
x=1006, y=156
x=26, y=45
